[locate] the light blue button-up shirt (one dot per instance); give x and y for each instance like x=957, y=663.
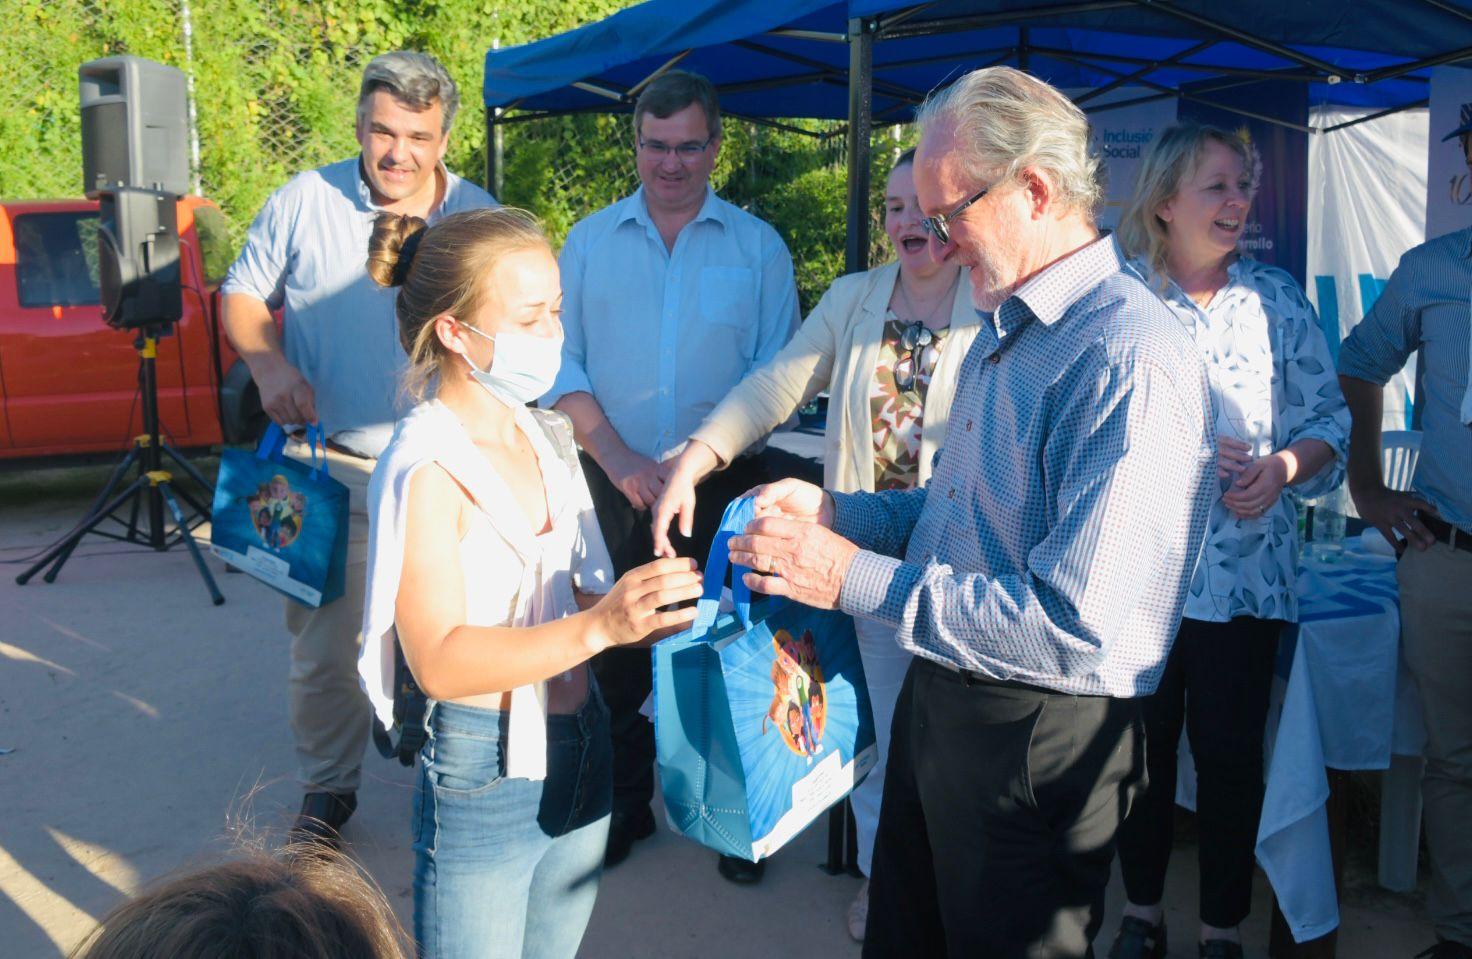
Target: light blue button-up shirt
x=659, y=336
x=306, y=254
x=1056, y=539
x=1427, y=306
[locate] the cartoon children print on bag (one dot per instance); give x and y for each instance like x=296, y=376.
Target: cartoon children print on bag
x=799, y=705
x=276, y=512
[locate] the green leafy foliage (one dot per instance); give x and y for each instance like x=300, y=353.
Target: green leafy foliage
x=276, y=81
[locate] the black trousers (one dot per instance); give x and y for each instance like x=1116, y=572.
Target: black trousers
x=1000, y=809
x=1216, y=684
x=624, y=675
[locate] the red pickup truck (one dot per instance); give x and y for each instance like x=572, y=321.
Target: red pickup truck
x=69, y=382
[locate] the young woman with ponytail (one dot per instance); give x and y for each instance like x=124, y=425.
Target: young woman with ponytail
x=488, y=570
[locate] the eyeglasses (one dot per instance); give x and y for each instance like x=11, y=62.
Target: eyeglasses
x=684, y=151
x=936, y=225
x=916, y=336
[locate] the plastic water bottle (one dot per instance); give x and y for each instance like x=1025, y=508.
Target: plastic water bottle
x=1329, y=526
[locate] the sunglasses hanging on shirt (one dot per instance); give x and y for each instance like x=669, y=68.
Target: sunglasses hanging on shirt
x=915, y=337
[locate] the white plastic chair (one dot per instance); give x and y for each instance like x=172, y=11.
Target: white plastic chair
x=1399, y=450
x=1400, y=787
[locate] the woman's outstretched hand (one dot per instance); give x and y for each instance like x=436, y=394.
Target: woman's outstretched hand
x=682, y=475
x=636, y=606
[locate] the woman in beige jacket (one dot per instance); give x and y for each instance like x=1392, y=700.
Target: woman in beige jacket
x=886, y=345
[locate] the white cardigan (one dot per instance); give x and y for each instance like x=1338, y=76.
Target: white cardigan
x=837, y=349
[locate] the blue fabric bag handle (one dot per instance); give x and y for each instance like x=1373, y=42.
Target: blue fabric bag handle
x=273, y=441
x=739, y=514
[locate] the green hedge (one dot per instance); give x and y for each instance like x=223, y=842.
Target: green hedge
x=275, y=82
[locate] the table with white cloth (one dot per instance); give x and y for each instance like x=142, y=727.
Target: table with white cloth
x=1339, y=702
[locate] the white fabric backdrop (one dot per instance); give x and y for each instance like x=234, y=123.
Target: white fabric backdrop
x=1367, y=185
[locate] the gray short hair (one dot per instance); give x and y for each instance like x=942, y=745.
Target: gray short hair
x=416, y=79
x=1005, y=120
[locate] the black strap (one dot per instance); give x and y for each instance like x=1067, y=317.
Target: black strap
x=410, y=705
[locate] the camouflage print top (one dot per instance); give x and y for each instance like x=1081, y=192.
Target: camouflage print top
x=897, y=399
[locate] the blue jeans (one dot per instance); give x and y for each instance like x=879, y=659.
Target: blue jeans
x=509, y=867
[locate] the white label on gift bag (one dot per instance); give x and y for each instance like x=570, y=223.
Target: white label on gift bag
x=830, y=780
x=263, y=564
x=269, y=569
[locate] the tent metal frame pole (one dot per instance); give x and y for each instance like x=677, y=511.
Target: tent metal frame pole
x=1219, y=70
x=829, y=72
x=1144, y=71
x=1168, y=95
x=1289, y=124
x=1243, y=37
x=817, y=35
x=885, y=20
x=1448, y=8
x=1398, y=72
x=1009, y=50
x=860, y=117
x=928, y=28
x=775, y=125
x=492, y=165
x=1374, y=116
x=841, y=850
x=634, y=91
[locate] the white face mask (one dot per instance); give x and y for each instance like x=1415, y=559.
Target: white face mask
x=523, y=367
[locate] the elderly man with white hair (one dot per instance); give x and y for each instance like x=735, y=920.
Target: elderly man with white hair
x=1039, y=578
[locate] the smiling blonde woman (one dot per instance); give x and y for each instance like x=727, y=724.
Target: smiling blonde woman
x=1280, y=421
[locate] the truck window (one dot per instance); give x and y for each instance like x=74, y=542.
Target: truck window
x=56, y=259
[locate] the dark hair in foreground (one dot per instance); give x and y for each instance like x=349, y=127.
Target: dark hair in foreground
x=300, y=902
x=674, y=91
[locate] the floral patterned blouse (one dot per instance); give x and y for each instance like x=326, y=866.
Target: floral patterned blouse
x=1272, y=384
x=899, y=414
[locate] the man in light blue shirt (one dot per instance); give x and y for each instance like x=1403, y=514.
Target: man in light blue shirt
x=337, y=361
x=1426, y=309
x=670, y=297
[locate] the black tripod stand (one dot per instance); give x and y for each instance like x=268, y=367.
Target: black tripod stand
x=153, y=485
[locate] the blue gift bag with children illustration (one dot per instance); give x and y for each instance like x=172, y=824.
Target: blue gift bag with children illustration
x=283, y=521
x=761, y=716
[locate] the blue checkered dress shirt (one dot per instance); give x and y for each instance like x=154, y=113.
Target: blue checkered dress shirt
x=1057, y=537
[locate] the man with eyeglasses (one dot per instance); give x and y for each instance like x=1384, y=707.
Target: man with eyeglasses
x=1039, y=578
x=670, y=297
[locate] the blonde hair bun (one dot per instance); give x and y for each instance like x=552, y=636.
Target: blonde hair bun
x=392, y=246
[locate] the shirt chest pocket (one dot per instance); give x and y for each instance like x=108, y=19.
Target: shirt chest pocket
x=728, y=296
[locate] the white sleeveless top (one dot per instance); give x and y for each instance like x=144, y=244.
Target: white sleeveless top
x=513, y=575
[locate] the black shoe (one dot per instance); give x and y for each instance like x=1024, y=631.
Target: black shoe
x=1219, y=949
x=322, y=817
x=741, y=871
x=1446, y=949
x=624, y=829
x=1138, y=939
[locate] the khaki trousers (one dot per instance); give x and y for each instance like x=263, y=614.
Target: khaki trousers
x=330, y=715
x=1436, y=630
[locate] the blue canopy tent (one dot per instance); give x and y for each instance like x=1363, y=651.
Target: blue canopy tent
x=873, y=61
